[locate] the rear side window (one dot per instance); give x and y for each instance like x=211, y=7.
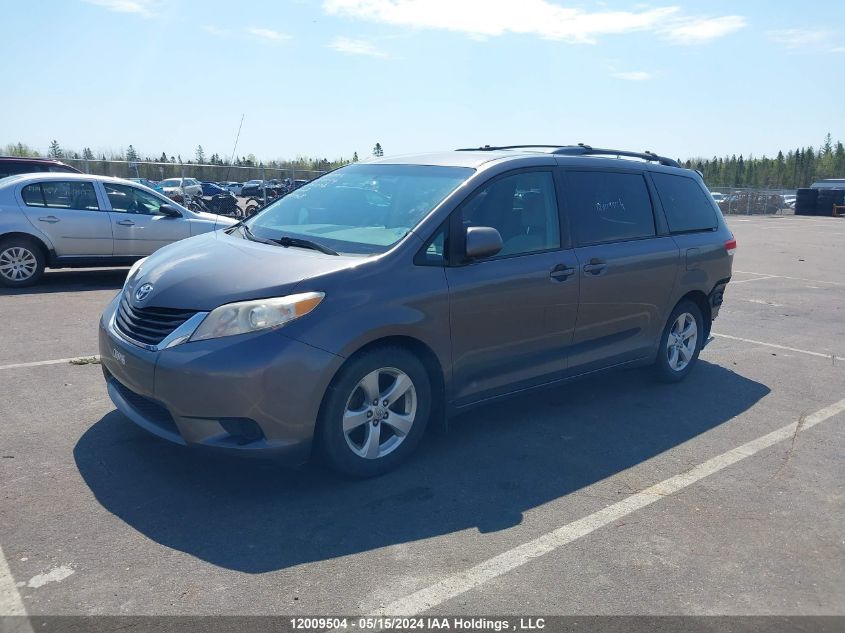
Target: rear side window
x=32, y=196
x=686, y=205
x=70, y=195
x=61, y=195
x=609, y=206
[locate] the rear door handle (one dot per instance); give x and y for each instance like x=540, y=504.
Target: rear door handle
x=52, y=219
x=595, y=267
x=561, y=272
x=126, y=223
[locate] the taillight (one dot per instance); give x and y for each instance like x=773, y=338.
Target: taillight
x=730, y=246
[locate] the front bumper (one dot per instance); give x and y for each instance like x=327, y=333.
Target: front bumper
x=257, y=393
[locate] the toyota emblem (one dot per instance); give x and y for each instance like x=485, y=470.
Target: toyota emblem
x=143, y=292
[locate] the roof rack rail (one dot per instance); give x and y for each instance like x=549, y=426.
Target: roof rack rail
x=582, y=150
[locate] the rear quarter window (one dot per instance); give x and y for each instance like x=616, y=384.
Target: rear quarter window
x=609, y=206
x=686, y=205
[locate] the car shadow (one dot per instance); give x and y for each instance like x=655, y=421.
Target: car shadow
x=74, y=280
x=495, y=463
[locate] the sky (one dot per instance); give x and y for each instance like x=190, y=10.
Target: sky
x=329, y=78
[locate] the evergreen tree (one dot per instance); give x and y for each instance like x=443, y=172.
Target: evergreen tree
x=131, y=154
x=162, y=158
x=377, y=150
x=200, y=154
x=355, y=157
x=55, y=150
x=87, y=154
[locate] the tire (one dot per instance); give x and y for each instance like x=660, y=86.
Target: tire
x=665, y=368
x=22, y=262
x=362, y=439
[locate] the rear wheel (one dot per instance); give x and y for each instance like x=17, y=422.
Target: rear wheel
x=375, y=413
x=21, y=262
x=680, y=343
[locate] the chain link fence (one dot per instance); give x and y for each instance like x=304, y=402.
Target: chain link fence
x=752, y=201
x=203, y=172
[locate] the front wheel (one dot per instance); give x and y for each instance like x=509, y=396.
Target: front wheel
x=680, y=343
x=375, y=413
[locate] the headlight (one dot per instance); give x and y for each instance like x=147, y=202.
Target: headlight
x=134, y=270
x=251, y=316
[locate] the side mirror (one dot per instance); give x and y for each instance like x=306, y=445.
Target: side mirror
x=170, y=211
x=482, y=241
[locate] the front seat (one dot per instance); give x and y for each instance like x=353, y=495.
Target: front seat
x=534, y=224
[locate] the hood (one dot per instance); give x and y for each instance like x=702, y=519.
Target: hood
x=206, y=271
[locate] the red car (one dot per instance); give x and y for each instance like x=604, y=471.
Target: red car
x=12, y=165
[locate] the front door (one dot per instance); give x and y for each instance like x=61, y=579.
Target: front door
x=139, y=227
x=627, y=270
x=512, y=315
x=69, y=214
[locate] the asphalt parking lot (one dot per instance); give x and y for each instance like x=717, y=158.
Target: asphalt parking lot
x=612, y=495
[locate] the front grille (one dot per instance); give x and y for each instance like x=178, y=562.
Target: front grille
x=148, y=325
x=149, y=409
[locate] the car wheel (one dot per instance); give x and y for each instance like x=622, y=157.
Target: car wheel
x=21, y=262
x=680, y=343
x=375, y=412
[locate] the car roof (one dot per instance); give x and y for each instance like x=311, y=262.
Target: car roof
x=481, y=158
x=28, y=159
x=45, y=176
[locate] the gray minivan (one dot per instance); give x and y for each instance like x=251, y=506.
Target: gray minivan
x=384, y=296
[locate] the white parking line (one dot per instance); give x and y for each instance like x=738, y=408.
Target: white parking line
x=769, y=276
x=462, y=582
x=10, y=599
x=776, y=346
x=742, y=281
x=38, y=363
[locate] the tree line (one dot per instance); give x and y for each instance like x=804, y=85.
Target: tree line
x=792, y=169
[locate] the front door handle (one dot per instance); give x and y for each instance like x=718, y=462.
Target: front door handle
x=52, y=219
x=126, y=223
x=561, y=272
x=595, y=267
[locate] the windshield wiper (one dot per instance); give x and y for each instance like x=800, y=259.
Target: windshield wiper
x=248, y=234
x=301, y=243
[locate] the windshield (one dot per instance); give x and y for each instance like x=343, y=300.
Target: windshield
x=360, y=209
x=172, y=182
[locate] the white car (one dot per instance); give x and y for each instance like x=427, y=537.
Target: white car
x=718, y=197
x=188, y=187
x=78, y=220
x=234, y=187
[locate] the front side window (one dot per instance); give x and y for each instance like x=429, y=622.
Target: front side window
x=609, y=206
x=126, y=199
x=61, y=195
x=685, y=203
x=359, y=209
x=523, y=208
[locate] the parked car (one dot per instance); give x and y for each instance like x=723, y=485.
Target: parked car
x=213, y=189
x=148, y=183
x=298, y=183
x=75, y=220
x=12, y=165
x=181, y=187
x=234, y=187
x=718, y=197
x=253, y=188
x=352, y=313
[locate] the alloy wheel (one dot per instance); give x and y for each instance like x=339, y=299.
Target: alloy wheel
x=380, y=413
x=18, y=263
x=680, y=345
